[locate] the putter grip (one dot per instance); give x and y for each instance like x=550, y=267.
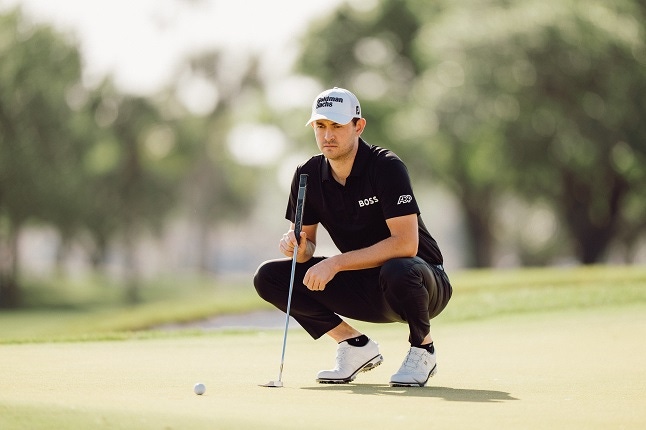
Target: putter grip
x=300, y=202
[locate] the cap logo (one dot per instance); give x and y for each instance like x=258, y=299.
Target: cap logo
x=327, y=101
x=337, y=105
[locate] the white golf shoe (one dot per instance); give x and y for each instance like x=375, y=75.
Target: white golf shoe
x=418, y=366
x=350, y=360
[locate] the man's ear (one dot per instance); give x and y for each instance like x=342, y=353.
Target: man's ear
x=360, y=126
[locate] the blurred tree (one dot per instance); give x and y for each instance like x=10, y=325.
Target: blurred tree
x=496, y=97
x=131, y=177
x=215, y=188
x=544, y=90
x=369, y=51
x=373, y=52
x=77, y=159
x=114, y=166
x=38, y=149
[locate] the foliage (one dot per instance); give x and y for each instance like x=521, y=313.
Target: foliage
x=546, y=93
x=370, y=52
x=39, y=151
x=215, y=188
x=102, y=167
x=527, y=97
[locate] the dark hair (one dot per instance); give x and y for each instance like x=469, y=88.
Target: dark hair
x=355, y=120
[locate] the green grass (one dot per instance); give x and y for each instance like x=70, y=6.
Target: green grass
x=535, y=348
x=531, y=371
x=92, y=309
x=481, y=294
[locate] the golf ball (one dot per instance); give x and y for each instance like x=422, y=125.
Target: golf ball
x=199, y=388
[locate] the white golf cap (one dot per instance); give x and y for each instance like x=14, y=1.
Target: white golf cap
x=338, y=105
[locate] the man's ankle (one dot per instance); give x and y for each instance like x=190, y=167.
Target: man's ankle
x=429, y=347
x=359, y=341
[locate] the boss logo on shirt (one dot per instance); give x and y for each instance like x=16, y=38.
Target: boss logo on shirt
x=369, y=201
x=405, y=199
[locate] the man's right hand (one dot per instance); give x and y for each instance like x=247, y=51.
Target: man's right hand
x=288, y=243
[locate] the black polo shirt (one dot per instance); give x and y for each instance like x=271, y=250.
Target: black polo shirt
x=355, y=215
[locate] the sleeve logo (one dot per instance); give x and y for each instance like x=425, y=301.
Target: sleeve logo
x=407, y=198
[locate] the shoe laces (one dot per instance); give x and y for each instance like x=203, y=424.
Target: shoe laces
x=340, y=356
x=413, y=359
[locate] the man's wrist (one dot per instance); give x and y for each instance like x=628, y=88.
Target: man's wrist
x=336, y=261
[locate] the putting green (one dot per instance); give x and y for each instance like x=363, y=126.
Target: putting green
x=575, y=369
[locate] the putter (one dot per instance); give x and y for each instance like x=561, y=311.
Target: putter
x=298, y=225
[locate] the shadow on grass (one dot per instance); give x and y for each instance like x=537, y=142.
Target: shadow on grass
x=445, y=393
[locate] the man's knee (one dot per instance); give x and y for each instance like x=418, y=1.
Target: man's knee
x=399, y=275
x=271, y=279
x=262, y=279
x=404, y=278
x=393, y=270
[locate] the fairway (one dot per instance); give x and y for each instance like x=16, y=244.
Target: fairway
x=565, y=370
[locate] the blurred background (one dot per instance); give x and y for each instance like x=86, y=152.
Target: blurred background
x=156, y=139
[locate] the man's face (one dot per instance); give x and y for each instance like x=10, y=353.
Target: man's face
x=337, y=141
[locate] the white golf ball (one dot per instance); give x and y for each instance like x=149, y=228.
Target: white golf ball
x=199, y=388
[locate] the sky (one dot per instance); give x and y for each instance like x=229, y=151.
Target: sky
x=140, y=42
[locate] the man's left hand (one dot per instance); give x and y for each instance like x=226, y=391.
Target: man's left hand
x=317, y=277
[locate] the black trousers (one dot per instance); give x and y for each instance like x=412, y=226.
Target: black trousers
x=402, y=290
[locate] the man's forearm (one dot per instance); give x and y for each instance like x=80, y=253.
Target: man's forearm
x=372, y=256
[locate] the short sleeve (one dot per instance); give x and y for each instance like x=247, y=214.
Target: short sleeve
x=393, y=187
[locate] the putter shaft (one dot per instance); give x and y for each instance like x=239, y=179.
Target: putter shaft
x=289, y=305
x=298, y=225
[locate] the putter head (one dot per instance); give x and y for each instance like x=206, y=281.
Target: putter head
x=273, y=384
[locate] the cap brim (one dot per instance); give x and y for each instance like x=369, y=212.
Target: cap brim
x=339, y=119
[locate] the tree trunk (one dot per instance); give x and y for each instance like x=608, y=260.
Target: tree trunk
x=10, y=296
x=62, y=253
x=593, y=227
x=204, y=243
x=131, y=270
x=478, y=217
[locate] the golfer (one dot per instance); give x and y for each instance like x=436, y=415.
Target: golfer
x=389, y=268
